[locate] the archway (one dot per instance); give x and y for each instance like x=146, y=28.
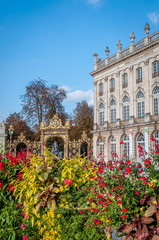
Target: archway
x=21, y=147
x=84, y=149
x=56, y=145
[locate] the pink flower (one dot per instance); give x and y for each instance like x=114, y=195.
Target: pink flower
x=25, y=237
x=68, y=181
x=90, y=224
x=136, y=192
x=22, y=226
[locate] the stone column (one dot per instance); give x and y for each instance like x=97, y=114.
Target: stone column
x=117, y=95
x=146, y=84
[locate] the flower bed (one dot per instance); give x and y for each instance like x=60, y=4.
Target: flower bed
x=48, y=198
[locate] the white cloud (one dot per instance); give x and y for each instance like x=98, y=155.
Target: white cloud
x=94, y=2
x=153, y=17
x=80, y=95
x=66, y=88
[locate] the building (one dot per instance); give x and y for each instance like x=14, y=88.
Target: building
x=126, y=98
x=2, y=137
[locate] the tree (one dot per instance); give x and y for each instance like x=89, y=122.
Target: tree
x=82, y=120
x=19, y=125
x=41, y=102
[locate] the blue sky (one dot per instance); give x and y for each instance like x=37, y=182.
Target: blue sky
x=55, y=40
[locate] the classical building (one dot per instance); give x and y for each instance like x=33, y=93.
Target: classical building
x=126, y=98
x=2, y=137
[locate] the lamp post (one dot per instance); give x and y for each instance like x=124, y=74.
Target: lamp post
x=11, y=130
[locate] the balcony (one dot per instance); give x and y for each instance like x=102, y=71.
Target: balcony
x=124, y=85
x=156, y=74
x=101, y=93
x=138, y=80
x=112, y=89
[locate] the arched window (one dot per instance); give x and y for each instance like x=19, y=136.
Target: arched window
x=155, y=69
x=139, y=75
x=113, y=111
x=112, y=85
x=140, y=141
x=156, y=101
x=125, y=146
x=100, y=89
x=140, y=105
x=125, y=80
x=126, y=108
x=112, y=146
x=101, y=148
x=101, y=114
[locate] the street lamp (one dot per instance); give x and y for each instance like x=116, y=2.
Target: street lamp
x=11, y=130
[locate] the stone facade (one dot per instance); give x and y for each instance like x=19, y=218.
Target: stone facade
x=2, y=137
x=126, y=98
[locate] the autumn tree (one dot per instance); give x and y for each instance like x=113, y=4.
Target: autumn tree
x=82, y=120
x=19, y=125
x=41, y=102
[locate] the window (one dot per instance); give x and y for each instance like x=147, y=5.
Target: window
x=112, y=146
x=155, y=69
x=156, y=143
x=101, y=148
x=100, y=89
x=126, y=108
x=140, y=105
x=125, y=80
x=113, y=111
x=140, y=141
x=156, y=101
x=112, y=85
x=139, y=75
x=101, y=114
x=125, y=146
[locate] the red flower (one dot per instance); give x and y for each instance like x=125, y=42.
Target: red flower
x=94, y=220
x=90, y=224
x=100, y=171
x=91, y=200
x=136, y=192
x=10, y=188
x=91, y=177
x=97, y=222
x=121, y=142
x=124, y=216
x=81, y=212
x=145, y=182
x=119, y=202
x=85, y=167
x=143, y=178
x=120, y=187
x=96, y=210
x=124, y=210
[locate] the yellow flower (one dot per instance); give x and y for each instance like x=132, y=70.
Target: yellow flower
x=154, y=202
x=58, y=215
x=153, y=182
x=62, y=205
x=66, y=206
x=61, y=188
x=57, y=191
x=58, y=181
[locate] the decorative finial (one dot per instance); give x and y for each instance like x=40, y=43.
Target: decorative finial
x=119, y=45
x=132, y=37
x=96, y=57
x=147, y=28
x=107, y=51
